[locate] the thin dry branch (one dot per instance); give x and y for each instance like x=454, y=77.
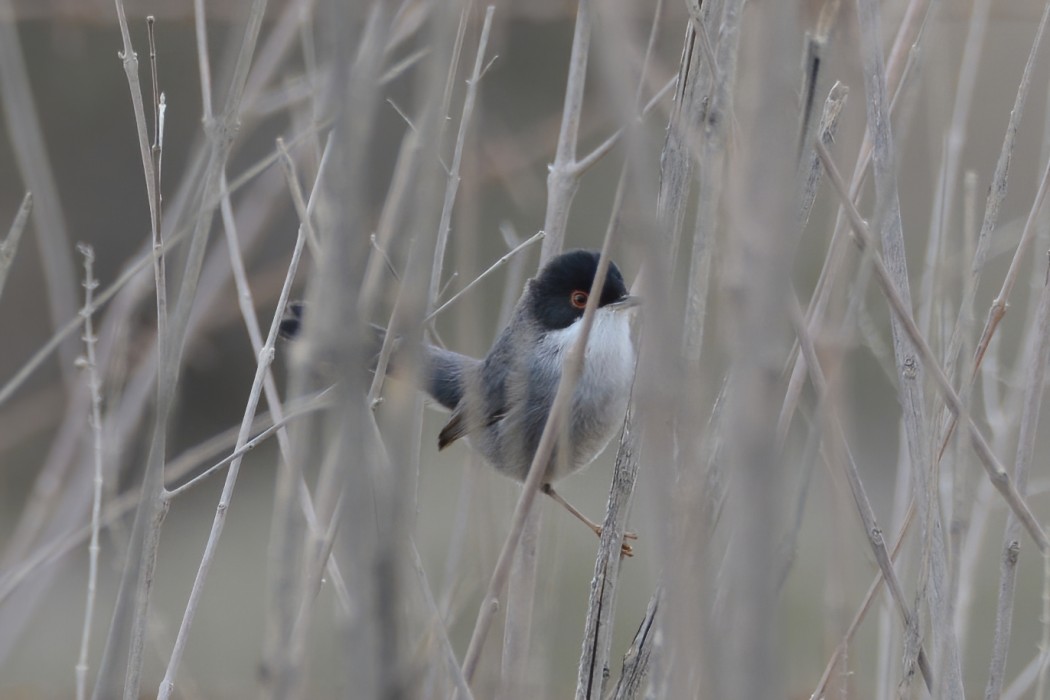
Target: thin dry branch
x=182, y=464
x=1044, y=642
x=61, y=496
x=910, y=386
x=636, y=659
x=179, y=467
x=964, y=504
x=860, y=497
x=996, y=195
x=263, y=363
x=761, y=213
x=90, y=364
x=596, y=646
x=598, y=629
x=452, y=184
x=129, y=274
x=131, y=611
x=538, y=236
x=1033, y=399
x=943, y=205
x=53, y=511
x=251, y=320
x=26, y=138
x=562, y=178
x=812, y=65
x=128, y=626
x=998, y=475
x=657, y=417
x=200, y=27
x=520, y=551
x=9, y=246
x=862, y=610
x=601, y=608
x=998, y=309
x=331, y=339
x=906, y=38
x=711, y=158
x=676, y=158
x=826, y=129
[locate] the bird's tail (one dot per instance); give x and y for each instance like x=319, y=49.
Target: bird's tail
x=291, y=327
x=442, y=373
x=292, y=321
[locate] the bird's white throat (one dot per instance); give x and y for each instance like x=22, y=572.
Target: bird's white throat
x=610, y=352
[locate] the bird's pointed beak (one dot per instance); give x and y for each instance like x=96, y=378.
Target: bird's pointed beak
x=624, y=303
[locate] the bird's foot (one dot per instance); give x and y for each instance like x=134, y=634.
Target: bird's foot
x=625, y=549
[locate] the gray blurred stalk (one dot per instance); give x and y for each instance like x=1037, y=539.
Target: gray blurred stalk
x=762, y=221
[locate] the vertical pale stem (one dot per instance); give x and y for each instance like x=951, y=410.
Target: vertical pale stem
x=762, y=216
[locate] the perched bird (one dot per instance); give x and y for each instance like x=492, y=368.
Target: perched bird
x=500, y=403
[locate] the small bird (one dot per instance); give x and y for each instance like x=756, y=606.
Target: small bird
x=500, y=403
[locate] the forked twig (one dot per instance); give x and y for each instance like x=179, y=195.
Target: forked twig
x=90, y=364
x=265, y=358
x=998, y=475
x=9, y=246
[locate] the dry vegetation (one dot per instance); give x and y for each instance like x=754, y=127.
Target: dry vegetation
x=832, y=209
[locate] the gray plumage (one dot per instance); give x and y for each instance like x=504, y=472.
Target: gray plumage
x=500, y=403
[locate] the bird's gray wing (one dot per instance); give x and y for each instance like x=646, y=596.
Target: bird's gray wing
x=486, y=403
x=463, y=421
x=455, y=429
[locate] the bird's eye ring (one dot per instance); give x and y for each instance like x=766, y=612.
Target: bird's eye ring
x=578, y=299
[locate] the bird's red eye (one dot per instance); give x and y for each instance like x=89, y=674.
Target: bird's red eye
x=578, y=299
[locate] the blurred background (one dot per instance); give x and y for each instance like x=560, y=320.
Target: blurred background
x=68, y=133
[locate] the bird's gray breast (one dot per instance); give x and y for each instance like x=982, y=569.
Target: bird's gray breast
x=531, y=382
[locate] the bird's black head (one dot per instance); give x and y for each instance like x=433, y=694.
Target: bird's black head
x=559, y=293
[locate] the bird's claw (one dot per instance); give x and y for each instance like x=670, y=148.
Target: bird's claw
x=625, y=549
